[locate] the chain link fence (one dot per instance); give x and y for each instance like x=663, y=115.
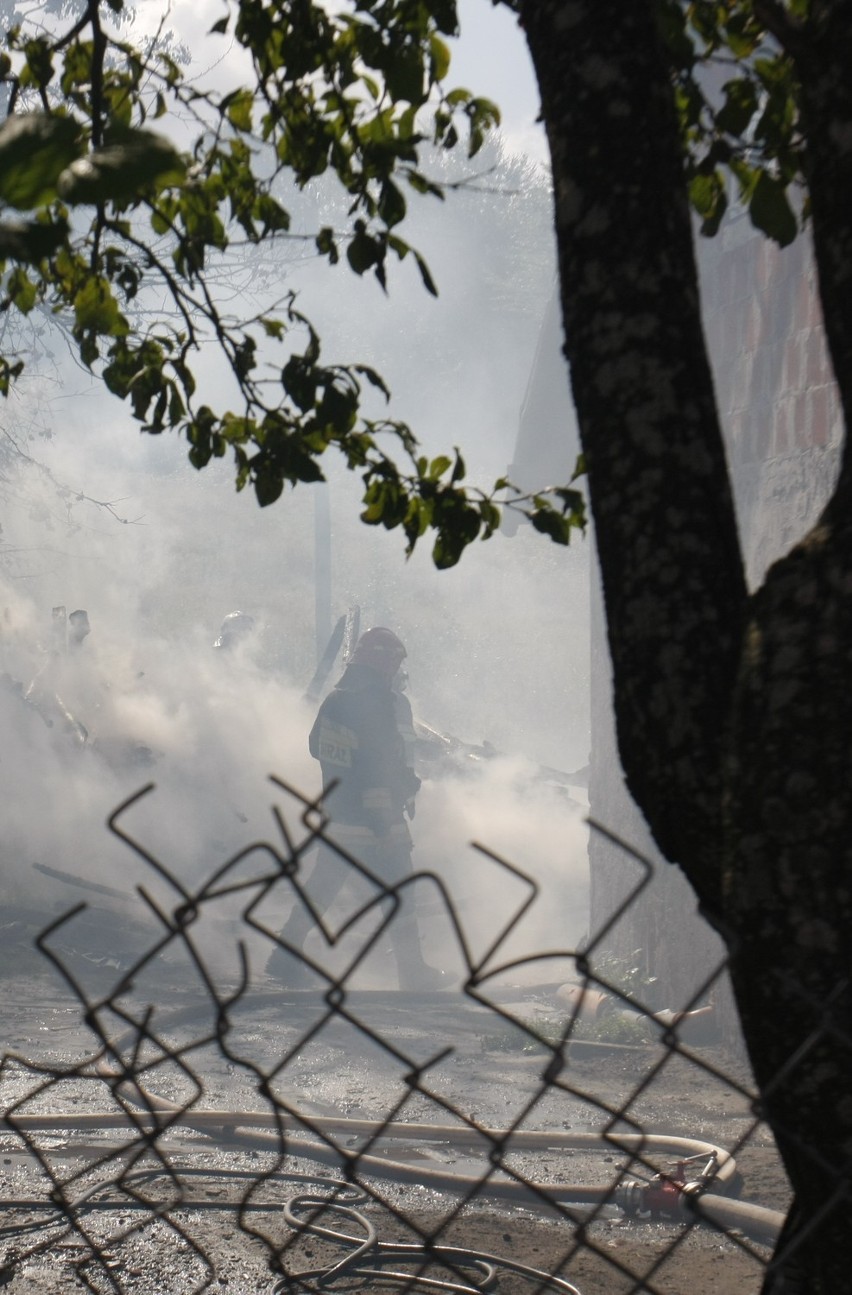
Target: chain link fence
x=175, y=1118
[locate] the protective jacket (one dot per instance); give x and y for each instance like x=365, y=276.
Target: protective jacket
x=357, y=740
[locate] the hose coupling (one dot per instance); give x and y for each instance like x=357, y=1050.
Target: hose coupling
x=666, y=1194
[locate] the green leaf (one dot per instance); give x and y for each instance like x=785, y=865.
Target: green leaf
x=425, y=275
x=439, y=55
x=38, y=70
x=391, y=204
x=708, y=197
x=338, y=408
x=273, y=328
x=96, y=310
x=31, y=241
x=22, y=292
x=447, y=549
x=35, y=148
x=405, y=76
x=362, y=252
x=8, y=374
x=238, y=109
x=741, y=103
x=375, y=379
x=491, y=517
x=438, y=467
x=770, y=210
x=123, y=170
x=300, y=380
x=551, y=523
x=327, y=245
x=483, y=116
x=420, y=184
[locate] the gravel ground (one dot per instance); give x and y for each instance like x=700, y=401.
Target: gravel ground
x=207, y=1207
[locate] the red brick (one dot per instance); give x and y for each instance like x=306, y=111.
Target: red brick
x=754, y=324
x=791, y=367
x=801, y=419
x=782, y=426
x=766, y=263
x=823, y=413
x=817, y=369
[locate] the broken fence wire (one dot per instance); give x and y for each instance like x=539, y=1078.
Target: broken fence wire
x=197, y=1127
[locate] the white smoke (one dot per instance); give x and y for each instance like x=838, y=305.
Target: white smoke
x=118, y=524
x=537, y=827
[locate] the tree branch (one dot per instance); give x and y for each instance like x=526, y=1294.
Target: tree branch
x=787, y=30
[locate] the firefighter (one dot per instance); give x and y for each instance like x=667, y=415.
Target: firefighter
x=236, y=629
x=79, y=629
x=369, y=788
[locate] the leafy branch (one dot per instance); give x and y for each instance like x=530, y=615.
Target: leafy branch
x=746, y=128
x=101, y=217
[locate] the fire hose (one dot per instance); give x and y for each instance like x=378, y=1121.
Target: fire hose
x=681, y=1192
x=371, y=1257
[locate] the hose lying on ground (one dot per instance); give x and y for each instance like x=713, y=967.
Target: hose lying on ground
x=370, y=1257
x=262, y=1130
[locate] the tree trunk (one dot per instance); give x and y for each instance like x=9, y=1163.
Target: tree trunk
x=788, y=888
x=665, y=528
x=788, y=871
x=734, y=716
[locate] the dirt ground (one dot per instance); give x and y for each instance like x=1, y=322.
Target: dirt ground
x=204, y=1209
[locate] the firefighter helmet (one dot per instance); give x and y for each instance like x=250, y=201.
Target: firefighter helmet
x=235, y=627
x=382, y=649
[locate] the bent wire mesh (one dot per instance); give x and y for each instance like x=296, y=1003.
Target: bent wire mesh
x=192, y=1100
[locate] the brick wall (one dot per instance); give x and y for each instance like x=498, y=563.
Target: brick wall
x=782, y=425
x=774, y=385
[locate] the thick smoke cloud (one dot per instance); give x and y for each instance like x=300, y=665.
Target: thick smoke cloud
x=498, y=648
x=497, y=659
